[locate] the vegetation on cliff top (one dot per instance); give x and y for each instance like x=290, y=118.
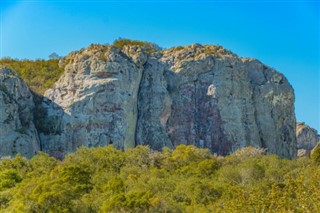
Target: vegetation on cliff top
x=148, y=46
x=39, y=75
x=186, y=179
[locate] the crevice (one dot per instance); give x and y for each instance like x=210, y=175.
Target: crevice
x=263, y=144
x=195, y=114
x=143, y=73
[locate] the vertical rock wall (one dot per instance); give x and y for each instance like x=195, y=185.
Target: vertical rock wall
x=198, y=95
x=95, y=101
x=17, y=131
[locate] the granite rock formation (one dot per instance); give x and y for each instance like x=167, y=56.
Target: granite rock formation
x=307, y=139
x=200, y=95
x=17, y=130
x=95, y=102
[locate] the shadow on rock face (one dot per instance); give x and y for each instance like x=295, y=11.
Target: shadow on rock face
x=191, y=96
x=17, y=130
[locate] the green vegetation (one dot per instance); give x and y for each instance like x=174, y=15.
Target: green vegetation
x=148, y=46
x=186, y=179
x=39, y=75
x=315, y=156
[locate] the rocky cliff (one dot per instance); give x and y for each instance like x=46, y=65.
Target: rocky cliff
x=307, y=139
x=17, y=130
x=199, y=94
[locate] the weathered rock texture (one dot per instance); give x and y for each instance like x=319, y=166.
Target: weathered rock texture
x=307, y=139
x=17, y=131
x=95, y=102
x=223, y=102
x=200, y=95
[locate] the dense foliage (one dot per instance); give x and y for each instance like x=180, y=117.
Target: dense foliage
x=39, y=74
x=186, y=179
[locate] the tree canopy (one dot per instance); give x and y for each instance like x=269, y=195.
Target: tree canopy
x=187, y=179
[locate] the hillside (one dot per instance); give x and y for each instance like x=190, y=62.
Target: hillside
x=73, y=130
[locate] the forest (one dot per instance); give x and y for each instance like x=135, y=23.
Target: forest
x=186, y=179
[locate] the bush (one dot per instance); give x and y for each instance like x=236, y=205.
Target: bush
x=39, y=75
x=149, y=47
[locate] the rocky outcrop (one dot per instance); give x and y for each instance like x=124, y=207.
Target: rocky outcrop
x=200, y=95
x=95, y=102
x=17, y=131
x=223, y=102
x=307, y=139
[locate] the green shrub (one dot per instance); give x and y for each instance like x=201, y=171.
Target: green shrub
x=9, y=178
x=148, y=46
x=39, y=75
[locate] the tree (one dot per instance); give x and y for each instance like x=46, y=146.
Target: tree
x=54, y=56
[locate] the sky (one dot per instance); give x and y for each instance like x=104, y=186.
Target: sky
x=282, y=34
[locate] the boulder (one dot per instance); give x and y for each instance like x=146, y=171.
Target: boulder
x=307, y=139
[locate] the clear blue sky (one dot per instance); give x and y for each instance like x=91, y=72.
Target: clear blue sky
x=281, y=34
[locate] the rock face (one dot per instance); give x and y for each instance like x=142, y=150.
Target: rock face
x=307, y=139
x=17, y=131
x=200, y=95
x=95, y=102
x=222, y=102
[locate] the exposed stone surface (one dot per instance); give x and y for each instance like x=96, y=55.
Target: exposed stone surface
x=307, y=139
x=17, y=130
x=200, y=95
x=95, y=102
x=223, y=102
x=154, y=107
